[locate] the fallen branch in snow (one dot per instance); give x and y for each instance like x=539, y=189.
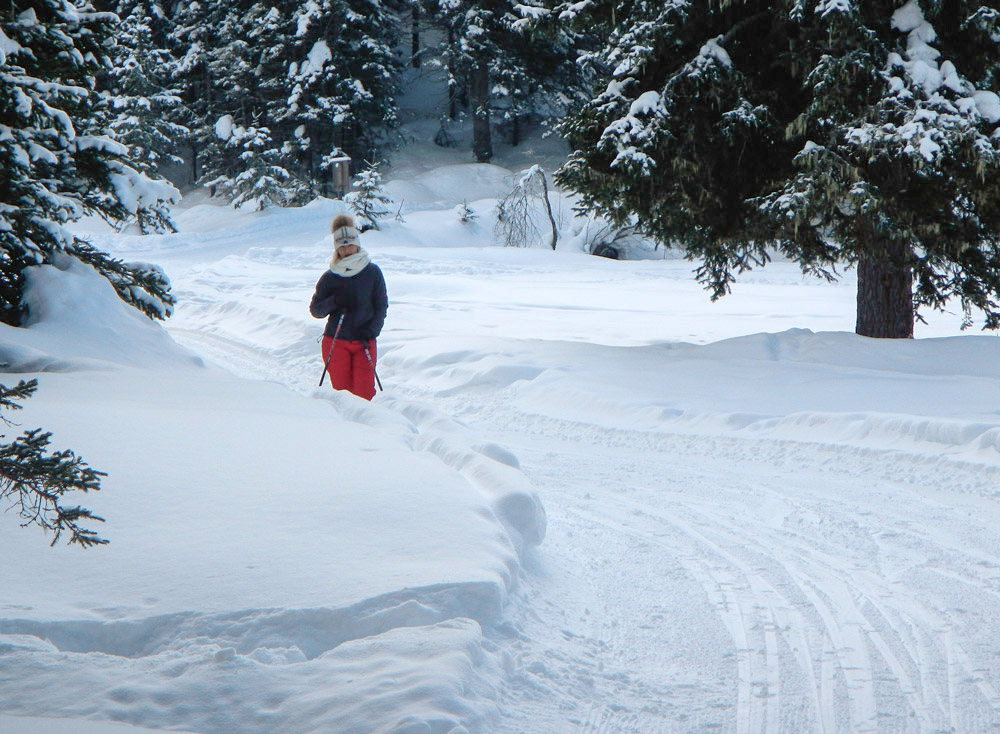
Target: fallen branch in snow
x=516, y=225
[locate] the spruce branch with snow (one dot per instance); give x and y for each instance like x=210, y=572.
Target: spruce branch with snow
x=34, y=481
x=143, y=286
x=142, y=111
x=853, y=134
x=57, y=165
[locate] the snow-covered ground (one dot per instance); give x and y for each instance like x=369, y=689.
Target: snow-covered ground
x=588, y=500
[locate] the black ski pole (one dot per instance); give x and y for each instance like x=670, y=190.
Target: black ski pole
x=372, y=363
x=333, y=345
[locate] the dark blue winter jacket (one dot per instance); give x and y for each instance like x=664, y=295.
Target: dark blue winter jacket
x=361, y=298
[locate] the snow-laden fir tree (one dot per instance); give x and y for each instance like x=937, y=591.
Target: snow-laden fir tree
x=834, y=132
x=194, y=38
x=54, y=167
x=465, y=214
x=257, y=178
x=230, y=132
x=317, y=75
x=34, y=481
x=243, y=158
x=339, y=84
x=143, y=112
x=547, y=80
x=369, y=200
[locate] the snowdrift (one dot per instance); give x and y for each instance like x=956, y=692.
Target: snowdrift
x=272, y=534
x=798, y=385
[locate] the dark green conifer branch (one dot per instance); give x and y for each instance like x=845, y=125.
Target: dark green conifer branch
x=34, y=481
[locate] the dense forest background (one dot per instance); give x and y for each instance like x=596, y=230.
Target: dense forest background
x=833, y=133
x=261, y=101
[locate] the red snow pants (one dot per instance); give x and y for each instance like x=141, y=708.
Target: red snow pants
x=349, y=368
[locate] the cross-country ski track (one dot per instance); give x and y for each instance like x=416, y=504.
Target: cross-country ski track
x=698, y=575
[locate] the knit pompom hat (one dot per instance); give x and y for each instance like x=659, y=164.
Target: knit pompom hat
x=344, y=232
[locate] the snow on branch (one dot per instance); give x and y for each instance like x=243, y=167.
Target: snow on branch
x=517, y=211
x=713, y=50
x=828, y=7
x=631, y=132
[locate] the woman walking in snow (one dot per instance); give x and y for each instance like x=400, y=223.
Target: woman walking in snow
x=351, y=295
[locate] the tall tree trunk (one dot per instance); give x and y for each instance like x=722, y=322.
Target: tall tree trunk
x=885, y=290
x=415, y=38
x=452, y=89
x=194, y=163
x=482, y=146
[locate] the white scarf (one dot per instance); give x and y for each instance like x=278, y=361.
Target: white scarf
x=351, y=265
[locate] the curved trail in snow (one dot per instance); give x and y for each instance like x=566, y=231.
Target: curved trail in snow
x=757, y=586
x=749, y=585
x=745, y=585
x=693, y=579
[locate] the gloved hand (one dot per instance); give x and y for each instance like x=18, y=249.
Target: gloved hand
x=324, y=307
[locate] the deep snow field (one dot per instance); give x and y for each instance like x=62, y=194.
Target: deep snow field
x=588, y=499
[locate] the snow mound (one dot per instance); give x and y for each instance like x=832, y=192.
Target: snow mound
x=306, y=541
x=971, y=356
x=36, y=725
x=826, y=387
x=257, y=532
x=77, y=321
x=490, y=468
x=412, y=679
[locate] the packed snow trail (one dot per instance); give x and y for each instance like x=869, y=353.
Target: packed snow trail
x=698, y=582
x=703, y=583
x=786, y=532
x=747, y=585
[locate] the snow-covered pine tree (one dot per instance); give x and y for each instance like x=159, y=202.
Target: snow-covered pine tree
x=369, y=201
x=142, y=111
x=236, y=104
x=194, y=36
x=257, y=178
x=53, y=170
x=34, y=481
x=465, y=214
x=338, y=94
x=836, y=132
x=317, y=75
x=243, y=158
x=547, y=81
